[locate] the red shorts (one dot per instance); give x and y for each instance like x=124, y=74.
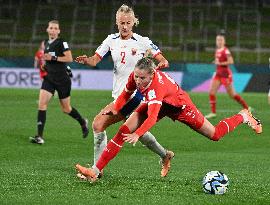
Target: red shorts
x=187, y=114
x=223, y=80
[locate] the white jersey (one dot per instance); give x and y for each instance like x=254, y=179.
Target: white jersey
x=125, y=55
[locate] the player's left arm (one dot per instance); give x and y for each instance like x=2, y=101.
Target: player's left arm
x=153, y=50
x=153, y=110
x=67, y=58
x=163, y=63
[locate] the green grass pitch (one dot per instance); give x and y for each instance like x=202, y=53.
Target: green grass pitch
x=34, y=174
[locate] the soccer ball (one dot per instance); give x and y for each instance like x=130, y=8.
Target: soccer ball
x=215, y=182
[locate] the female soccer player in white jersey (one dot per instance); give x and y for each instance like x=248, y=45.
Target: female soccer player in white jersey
x=126, y=49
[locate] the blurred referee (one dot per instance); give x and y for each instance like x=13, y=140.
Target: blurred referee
x=56, y=55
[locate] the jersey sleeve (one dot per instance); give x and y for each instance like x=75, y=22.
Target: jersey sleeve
x=152, y=113
x=155, y=96
x=154, y=100
x=64, y=46
x=149, y=45
x=104, y=48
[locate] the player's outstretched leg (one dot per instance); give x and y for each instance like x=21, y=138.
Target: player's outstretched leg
x=229, y=124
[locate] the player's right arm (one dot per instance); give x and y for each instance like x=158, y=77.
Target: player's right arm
x=153, y=51
x=101, y=51
x=91, y=61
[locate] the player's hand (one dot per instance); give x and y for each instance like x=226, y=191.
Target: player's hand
x=81, y=59
x=162, y=64
x=43, y=67
x=148, y=53
x=47, y=57
x=110, y=112
x=131, y=138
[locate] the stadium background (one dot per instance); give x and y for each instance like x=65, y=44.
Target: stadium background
x=184, y=30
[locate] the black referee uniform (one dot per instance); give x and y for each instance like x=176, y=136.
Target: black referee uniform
x=57, y=77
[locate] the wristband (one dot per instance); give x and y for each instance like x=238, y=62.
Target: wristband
x=54, y=58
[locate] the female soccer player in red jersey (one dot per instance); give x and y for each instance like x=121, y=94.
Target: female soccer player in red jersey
x=39, y=61
x=163, y=97
x=222, y=76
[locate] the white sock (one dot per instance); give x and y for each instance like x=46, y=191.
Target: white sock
x=244, y=115
x=100, y=142
x=151, y=143
x=96, y=170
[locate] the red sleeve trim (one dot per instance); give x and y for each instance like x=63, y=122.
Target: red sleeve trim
x=100, y=57
x=154, y=56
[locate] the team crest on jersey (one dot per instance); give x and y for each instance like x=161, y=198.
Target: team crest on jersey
x=133, y=51
x=151, y=94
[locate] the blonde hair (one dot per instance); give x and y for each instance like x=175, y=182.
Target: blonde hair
x=127, y=10
x=147, y=64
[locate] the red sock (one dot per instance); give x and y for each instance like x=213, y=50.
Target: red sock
x=241, y=101
x=227, y=125
x=212, y=101
x=112, y=148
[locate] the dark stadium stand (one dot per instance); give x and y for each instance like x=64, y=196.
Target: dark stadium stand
x=184, y=29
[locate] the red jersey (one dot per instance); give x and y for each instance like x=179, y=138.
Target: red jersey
x=161, y=90
x=39, y=57
x=221, y=55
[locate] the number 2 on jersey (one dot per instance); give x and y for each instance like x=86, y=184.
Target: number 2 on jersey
x=123, y=55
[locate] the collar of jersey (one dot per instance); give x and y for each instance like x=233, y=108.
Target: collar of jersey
x=51, y=41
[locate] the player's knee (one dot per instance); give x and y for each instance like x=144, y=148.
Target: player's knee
x=42, y=107
x=124, y=129
x=98, y=125
x=215, y=137
x=66, y=110
x=232, y=95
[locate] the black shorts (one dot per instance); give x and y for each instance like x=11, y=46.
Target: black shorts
x=63, y=88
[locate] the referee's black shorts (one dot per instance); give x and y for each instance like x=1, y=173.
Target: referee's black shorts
x=63, y=88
